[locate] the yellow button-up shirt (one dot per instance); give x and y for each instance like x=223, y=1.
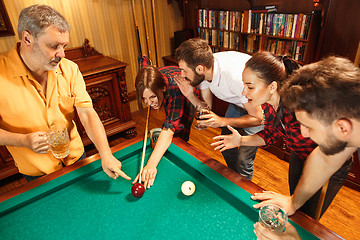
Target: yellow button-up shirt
x=24, y=108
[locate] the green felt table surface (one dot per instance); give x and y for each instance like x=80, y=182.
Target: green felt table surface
x=87, y=204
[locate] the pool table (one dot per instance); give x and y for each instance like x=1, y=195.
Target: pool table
x=81, y=202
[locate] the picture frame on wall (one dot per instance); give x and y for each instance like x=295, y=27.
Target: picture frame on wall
x=6, y=28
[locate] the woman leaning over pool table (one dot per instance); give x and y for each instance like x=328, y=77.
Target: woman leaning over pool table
x=156, y=88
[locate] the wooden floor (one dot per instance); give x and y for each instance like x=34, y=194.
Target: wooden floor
x=342, y=217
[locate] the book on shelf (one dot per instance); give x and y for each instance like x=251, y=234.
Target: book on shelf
x=199, y=17
x=221, y=20
x=214, y=35
x=213, y=19
x=245, y=22
x=227, y=20
x=226, y=40
x=234, y=41
x=298, y=25
x=221, y=39
x=289, y=24
x=205, y=18
x=237, y=21
x=296, y=18
x=209, y=36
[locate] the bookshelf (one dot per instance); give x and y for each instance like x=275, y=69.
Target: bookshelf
x=249, y=31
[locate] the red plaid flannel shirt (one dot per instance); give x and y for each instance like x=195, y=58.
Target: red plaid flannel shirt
x=289, y=129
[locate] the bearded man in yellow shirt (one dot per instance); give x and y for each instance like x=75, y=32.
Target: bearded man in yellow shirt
x=39, y=87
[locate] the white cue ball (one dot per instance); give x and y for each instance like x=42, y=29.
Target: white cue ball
x=188, y=188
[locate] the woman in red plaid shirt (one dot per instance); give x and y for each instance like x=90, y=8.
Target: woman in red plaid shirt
x=157, y=88
x=263, y=76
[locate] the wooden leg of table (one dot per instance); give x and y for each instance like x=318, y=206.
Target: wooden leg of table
x=321, y=201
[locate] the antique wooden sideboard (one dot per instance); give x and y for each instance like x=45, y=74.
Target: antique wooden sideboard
x=106, y=84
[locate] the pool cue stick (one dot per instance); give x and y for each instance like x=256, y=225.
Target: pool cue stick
x=146, y=29
x=136, y=28
x=155, y=31
x=321, y=201
x=144, y=145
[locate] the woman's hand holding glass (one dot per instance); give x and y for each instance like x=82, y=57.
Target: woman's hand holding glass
x=225, y=142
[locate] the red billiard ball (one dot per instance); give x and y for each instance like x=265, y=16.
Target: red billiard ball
x=137, y=190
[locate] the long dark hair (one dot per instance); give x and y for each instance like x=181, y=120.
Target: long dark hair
x=269, y=68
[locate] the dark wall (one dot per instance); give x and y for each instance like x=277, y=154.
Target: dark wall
x=341, y=29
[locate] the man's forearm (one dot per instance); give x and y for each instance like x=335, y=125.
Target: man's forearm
x=95, y=131
x=12, y=139
x=317, y=170
x=242, y=122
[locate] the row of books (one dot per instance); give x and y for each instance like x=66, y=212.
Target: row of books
x=218, y=38
x=256, y=21
x=277, y=24
x=224, y=20
x=294, y=49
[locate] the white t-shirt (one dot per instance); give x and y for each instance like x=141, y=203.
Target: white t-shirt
x=227, y=83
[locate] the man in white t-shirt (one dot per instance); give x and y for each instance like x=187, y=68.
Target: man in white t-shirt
x=220, y=74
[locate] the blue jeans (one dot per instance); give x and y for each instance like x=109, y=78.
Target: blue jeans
x=31, y=178
x=336, y=181
x=240, y=159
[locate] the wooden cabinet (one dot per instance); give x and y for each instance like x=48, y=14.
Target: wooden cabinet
x=106, y=84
